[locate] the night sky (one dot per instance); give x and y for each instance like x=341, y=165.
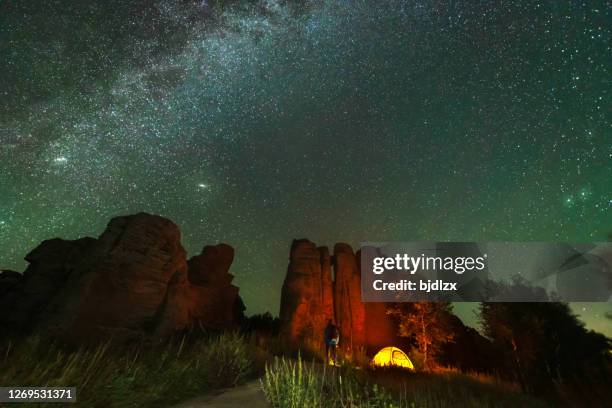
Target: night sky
x=335, y=120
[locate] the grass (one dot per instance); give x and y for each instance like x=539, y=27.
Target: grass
x=160, y=375
x=293, y=384
x=143, y=376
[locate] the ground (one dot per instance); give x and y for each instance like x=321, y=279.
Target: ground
x=250, y=395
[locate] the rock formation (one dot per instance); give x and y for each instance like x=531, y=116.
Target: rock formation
x=306, y=298
x=348, y=308
x=213, y=299
x=310, y=297
x=381, y=330
x=133, y=281
x=8, y=281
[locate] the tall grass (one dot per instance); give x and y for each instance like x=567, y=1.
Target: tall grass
x=293, y=384
x=145, y=376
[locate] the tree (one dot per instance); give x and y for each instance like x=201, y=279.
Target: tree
x=544, y=345
x=513, y=331
x=425, y=322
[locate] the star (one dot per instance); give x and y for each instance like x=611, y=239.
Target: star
x=275, y=123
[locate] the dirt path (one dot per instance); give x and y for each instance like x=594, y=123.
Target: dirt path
x=249, y=395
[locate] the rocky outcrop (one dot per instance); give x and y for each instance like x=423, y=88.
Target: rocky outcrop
x=214, y=300
x=349, y=310
x=32, y=300
x=125, y=279
x=133, y=281
x=310, y=297
x=306, y=298
x=8, y=281
x=11, y=286
x=380, y=328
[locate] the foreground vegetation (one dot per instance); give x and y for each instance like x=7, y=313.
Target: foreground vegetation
x=293, y=384
x=143, y=376
x=157, y=375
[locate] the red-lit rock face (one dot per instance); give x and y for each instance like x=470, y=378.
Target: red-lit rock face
x=381, y=330
x=133, y=281
x=310, y=297
x=349, y=310
x=306, y=299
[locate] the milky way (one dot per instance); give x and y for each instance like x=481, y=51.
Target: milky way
x=337, y=121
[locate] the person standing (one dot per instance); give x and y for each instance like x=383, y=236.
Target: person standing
x=332, y=339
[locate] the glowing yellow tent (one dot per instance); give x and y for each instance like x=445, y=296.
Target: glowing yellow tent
x=392, y=356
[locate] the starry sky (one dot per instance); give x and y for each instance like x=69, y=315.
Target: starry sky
x=254, y=123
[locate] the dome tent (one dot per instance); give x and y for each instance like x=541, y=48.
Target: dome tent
x=392, y=357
